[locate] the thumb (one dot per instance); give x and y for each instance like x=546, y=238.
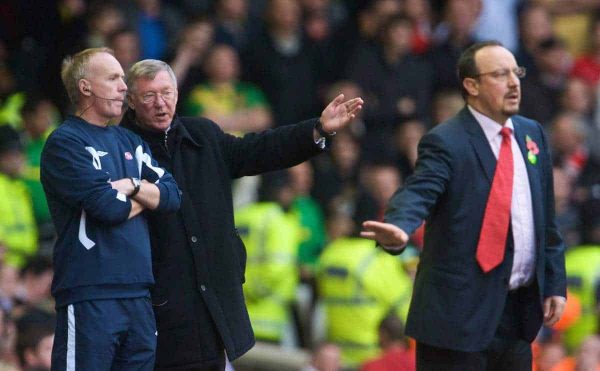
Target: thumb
x=547, y=305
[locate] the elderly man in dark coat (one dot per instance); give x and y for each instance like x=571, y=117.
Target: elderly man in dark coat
x=198, y=257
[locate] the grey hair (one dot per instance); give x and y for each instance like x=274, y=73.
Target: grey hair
x=147, y=69
x=74, y=68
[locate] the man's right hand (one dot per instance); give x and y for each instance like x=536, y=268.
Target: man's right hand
x=390, y=237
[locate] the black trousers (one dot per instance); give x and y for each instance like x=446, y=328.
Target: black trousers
x=508, y=351
x=217, y=365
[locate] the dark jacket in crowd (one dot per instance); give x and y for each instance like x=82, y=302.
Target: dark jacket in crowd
x=198, y=257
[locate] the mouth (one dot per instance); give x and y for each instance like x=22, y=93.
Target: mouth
x=512, y=96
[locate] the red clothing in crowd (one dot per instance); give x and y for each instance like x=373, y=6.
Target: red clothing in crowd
x=587, y=68
x=394, y=359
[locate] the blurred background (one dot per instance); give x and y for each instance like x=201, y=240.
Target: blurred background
x=319, y=297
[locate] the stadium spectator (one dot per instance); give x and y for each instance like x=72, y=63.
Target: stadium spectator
x=237, y=106
x=396, y=354
x=18, y=231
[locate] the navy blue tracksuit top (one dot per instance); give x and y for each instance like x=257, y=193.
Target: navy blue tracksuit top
x=100, y=253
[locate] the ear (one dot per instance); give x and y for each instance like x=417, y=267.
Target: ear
x=471, y=86
x=130, y=102
x=85, y=88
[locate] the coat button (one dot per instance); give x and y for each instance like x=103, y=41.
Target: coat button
x=194, y=239
x=202, y=287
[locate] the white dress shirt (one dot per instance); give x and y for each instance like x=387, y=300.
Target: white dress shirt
x=521, y=210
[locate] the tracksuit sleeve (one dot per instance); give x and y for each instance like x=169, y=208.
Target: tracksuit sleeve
x=72, y=172
x=170, y=195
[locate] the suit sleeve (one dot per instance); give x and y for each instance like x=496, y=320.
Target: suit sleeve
x=170, y=195
x=68, y=172
x=272, y=149
x=412, y=203
x=555, y=280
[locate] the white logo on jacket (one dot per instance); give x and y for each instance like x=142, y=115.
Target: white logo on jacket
x=96, y=157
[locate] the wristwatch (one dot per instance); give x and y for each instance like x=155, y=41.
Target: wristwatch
x=136, y=186
x=323, y=133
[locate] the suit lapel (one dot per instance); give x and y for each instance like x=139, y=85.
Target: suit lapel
x=533, y=170
x=480, y=143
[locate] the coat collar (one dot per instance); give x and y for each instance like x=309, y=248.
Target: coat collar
x=177, y=128
x=481, y=145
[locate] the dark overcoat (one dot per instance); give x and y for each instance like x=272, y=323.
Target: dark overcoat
x=198, y=257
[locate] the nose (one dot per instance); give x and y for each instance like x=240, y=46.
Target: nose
x=160, y=100
x=513, y=79
x=122, y=86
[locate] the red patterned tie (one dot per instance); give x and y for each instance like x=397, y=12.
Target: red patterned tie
x=492, y=239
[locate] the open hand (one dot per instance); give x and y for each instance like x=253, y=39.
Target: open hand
x=338, y=113
x=389, y=236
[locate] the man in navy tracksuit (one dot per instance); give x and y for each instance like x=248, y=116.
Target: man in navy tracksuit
x=98, y=179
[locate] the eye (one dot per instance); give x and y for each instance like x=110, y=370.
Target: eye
x=501, y=73
x=148, y=97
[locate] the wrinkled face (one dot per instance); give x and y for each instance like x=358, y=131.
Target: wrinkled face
x=154, y=101
x=496, y=92
x=106, y=86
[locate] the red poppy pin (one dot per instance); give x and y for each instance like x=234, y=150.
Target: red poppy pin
x=532, y=150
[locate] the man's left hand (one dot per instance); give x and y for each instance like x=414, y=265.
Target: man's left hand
x=124, y=186
x=553, y=309
x=338, y=113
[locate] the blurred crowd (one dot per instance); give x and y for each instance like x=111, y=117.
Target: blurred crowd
x=250, y=65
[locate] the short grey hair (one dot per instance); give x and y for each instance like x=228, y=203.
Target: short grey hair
x=147, y=69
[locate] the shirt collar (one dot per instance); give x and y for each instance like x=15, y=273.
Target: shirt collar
x=491, y=128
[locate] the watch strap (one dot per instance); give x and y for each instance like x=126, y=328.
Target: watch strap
x=321, y=131
x=136, y=186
